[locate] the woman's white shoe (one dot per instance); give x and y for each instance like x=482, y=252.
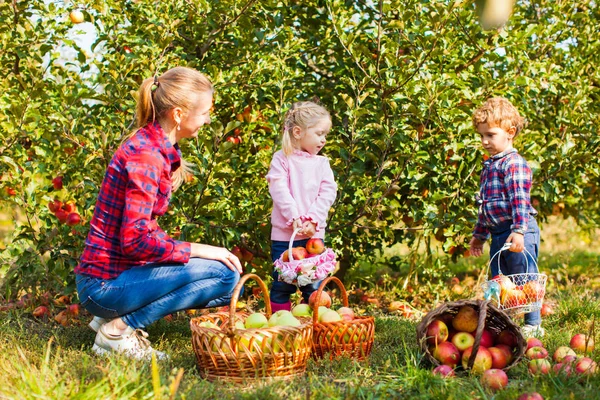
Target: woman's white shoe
x=132, y=343
x=96, y=323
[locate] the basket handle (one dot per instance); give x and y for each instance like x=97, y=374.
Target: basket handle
x=479, y=332
x=292, y=243
x=320, y=290
x=506, y=247
x=236, y=295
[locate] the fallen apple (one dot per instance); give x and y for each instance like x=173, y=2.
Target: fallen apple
x=531, y=396
x=533, y=342
x=582, y=344
x=586, y=366
x=536, y=352
x=444, y=371
x=494, y=379
x=561, y=352
x=539, y=366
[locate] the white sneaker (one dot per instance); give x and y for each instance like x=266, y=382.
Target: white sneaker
x=96, y=323
x=533, y=331
x=132, y=343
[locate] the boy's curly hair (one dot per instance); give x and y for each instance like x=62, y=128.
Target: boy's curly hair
x=498, y=111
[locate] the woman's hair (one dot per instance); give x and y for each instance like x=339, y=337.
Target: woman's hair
x=174, y=88
x=498, y=111
x=303, y=114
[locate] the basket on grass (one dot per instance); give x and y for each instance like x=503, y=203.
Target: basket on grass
x=233, y=353
x=516, y=293
x=307, y=269
x=353, y=338
x=489, y=318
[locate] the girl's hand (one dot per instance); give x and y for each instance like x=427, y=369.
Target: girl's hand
x=476, y=247
x=297, y=224
x=518, y=242
x=309, y=228
x=217, y=253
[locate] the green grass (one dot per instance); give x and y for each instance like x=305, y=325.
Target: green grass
x=40, y=360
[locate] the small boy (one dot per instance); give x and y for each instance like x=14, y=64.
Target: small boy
x=505, y=210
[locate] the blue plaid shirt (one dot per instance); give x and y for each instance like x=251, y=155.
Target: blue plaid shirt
x=505, y=184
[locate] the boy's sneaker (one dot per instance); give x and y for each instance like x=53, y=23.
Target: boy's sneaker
x=533, y=331
x=96, y=323
x=132, y=343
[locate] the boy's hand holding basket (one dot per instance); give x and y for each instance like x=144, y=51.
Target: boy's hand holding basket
x=239, y=347
x=303, y=266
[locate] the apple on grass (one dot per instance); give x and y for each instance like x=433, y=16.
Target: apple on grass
x=463, y=340
x=586, y=366
x=446, y=353
x=539, y=366
x=536, y=352
x=500, y=358
x=533, y=342
x=562, y=368
x=582, y=344
x=546, y=310
x=531, y=396
x=41, y=312
x=561, y=352
x=466, y=320
x=437, y=332
x=444, y=371
x=483, y=360
x=494, y=379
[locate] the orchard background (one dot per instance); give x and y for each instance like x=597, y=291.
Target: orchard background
x=401, y=79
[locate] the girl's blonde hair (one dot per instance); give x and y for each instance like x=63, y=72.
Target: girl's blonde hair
x=498, y=111
x=303, y=114
x=174, y=88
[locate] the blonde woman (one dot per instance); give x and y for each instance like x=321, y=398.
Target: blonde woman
x=131, y=273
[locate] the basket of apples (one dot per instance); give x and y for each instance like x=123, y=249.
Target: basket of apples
x=516, y=293
x=470, y=334
x=240, y=346
x=303, y=266
x=339, y=332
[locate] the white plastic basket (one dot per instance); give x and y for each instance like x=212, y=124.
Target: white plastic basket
x=306, y=271
x=517, y=293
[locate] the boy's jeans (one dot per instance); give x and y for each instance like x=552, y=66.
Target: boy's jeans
x=281, y=291
x=514, y=263
x=142, y=295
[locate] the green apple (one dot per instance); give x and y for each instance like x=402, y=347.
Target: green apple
x=330, y=316
x=256, y=320
x=275, y=317
x=302, y=310
x=288, y=320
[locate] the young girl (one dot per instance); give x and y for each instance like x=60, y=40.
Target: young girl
x=131, y=273
x=303, y=189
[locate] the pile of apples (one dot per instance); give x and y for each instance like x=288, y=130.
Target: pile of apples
x=314, y=247
x=568, y=360
x=513, y=295
x=451, y=339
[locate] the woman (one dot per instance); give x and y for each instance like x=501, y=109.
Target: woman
x=131, y=273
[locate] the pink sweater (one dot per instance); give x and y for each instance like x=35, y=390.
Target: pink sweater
x=301, y=186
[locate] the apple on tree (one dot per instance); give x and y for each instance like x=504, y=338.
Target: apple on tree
x=76, y=16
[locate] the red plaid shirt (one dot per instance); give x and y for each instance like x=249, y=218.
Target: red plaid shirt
x=136, y=189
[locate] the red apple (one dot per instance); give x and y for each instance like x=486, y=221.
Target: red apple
x=57, y=183
x=324, y=300
x=531, y=396
x=581, y=343
x=562, y=368
x=10, y=191
x=466, y=320
x=346, y=313
x=508, y=338
x=73, y=219
x=236, y=251
x=483, y=360
x=247, y=255
x=487, y=338
x=69, y=207
x=61, y=215
x=41, y=312
x=447, y=354
x=444, y=371
x=569, y=359
x=534, y=342
x=586, y=366
x=463, y=340
x=315, y=246
x=507, y=350
x=539, y=366
x=437, y=332
x=494, y=379
x=499, y=357
x=73, y=309
x=299, y=253
x=536, y=352
x=561, y=352
x=546, y=310
x=54, y=206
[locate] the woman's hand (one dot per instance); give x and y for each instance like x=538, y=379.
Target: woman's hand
x=309, y=228
x=476, y=247
x=218, y=254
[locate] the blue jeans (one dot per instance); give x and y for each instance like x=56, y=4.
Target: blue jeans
x=515, y=263
x=142, y=295
x=280, y=291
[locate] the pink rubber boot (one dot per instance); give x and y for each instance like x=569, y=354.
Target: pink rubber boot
x=278, y=306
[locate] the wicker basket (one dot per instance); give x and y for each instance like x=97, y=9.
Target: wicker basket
x=243, y=355
x=526, y=290
x=350, y=338
x=490, y=318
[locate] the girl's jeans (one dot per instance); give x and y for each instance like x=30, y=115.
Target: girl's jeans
x=142, y=295
x=514, y=263
x=281, y=291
